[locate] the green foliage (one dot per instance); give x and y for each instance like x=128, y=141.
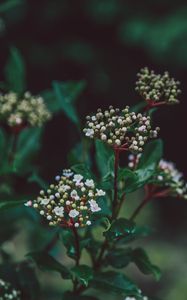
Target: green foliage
x=4, y=205
x=147, y=165
x=28, y=145
x=47, y=263
x=65, y=94
x=125, y=231
x=104, y=154
x=15, y=72
x=83, y=274
x=142, y=261
x=114, y=282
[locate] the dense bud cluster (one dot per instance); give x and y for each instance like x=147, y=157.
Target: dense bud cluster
x=27, y=110
x=120, y=128
x=157, y=88
x=166, y=176
x=70, y=202
x=7, y=292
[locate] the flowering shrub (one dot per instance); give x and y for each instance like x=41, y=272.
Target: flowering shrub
x=88, y=197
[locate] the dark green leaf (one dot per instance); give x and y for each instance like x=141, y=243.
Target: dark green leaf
x=80, y=153
x=124, y=231
x=10, y=204
x=69, y=242
x=114, y=282
x=83, y=274
x=121, y=228
x=15, y=72
x=48, y=263
x=28, y=145
x=143, y=262
x=119, y=258
x=66, y=93
x=103, y=156
x=83, y=170
x=134, y=180
x=151, y=155
x=37, y=179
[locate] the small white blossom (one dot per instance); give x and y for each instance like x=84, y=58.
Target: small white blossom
x=89, y=183
x=73, y=213
x=94, y=206
x=100, y=192
x=59, y=211
x=77, y=178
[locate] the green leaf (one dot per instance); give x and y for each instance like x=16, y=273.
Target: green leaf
x=130, y=180
x=124, y=231
x=103, y=156
x=119, y=258
x=151, y=155
x=10, y=204
x=28, y=145
x=68, y=240
x=37, y=179
x=66, y=93
x=121, y=228
x=143, y=262
x=147, y=165
x=15, y=72
x=83, y=170
x=10, y=4
x=47, y=263
x=114, y=282
x=83, y=274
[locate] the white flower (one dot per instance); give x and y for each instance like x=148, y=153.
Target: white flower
x=76, y=225
x=142, y=128
x=73, y=213
x=57, y=178
x=64, y=188
x=89, y=132
x=100, y=192
x=45, y=201
x=59, y=211
x=89, y=183
x=77, y=178
x=94, y=206
x=88, y=223
x=28, y=203
x=67, y=173
x=74, y=194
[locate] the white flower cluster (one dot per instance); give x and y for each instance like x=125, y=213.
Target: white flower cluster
x=28, y=110
x=69, y=202
x=172, y=178
x=156, y=88
x=166, y=176
x=120, y=128
x=7, y=292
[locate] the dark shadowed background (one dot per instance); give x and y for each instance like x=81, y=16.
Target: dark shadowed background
x=105, y=43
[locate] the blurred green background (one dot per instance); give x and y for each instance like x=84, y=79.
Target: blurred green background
x=105, y=43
